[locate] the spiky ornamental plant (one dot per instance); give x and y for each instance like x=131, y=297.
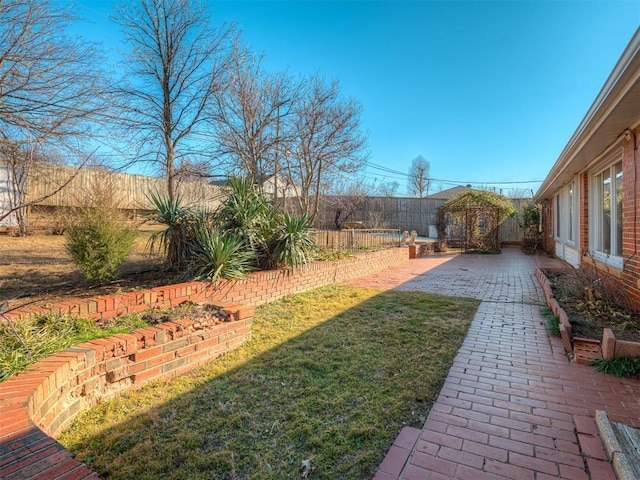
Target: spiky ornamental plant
x=247, y=214
x=219, y=254
x=176, y=240
x=290, y=244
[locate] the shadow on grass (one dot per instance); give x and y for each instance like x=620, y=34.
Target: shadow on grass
x=329, y=377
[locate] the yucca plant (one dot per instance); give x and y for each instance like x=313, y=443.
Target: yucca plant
x=247, y=214
x=219, y=254
x=176, y=240
x=291, y=244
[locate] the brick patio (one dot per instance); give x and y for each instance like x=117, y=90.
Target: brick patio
x=512, y=406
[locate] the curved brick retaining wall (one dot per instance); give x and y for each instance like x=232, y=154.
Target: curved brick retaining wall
x=45, y=399
x=256, y=289
x=38, y=404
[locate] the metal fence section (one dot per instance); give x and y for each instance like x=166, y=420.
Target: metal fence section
x=353, y=240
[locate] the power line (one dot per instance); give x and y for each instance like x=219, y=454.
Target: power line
x=450, y=182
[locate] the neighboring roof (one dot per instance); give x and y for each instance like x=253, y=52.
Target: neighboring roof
x=615, y=109
x=449, y=193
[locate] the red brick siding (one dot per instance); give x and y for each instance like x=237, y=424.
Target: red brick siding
x=584, y=212
x=629, y=278
x=631, y=218
x=548, y=215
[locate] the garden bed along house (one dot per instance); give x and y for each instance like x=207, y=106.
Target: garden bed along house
x=593, y=322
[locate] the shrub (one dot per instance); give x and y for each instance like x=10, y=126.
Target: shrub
x=276, y=239
x=99, y=243
x=247, y=214
x=176, y=240
x=290, y=244
x=98, y=236
x=245, y=233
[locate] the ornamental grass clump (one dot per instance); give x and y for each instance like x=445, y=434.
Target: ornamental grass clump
x=26, y=341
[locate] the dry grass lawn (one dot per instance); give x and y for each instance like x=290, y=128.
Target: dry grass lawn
x=38, y=268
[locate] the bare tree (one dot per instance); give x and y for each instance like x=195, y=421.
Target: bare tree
x=419, y=177
x=173, y=69
x=326, y=140
x=248, y=118
x=388, y=189
x=50, y=91
x=518, y=192
x=345, y=197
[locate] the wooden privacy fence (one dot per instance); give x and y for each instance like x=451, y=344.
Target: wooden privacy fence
x=417, y=214
x=131, y=190
x=385, y=212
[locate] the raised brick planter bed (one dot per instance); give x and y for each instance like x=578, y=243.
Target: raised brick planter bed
x=41, y=402
x=256, y=289
x=44, y=400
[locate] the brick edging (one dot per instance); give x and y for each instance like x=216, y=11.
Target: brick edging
x=255, y=289
x=42, y=401
x=566, y=333
x=609, y=346
x=39, y=403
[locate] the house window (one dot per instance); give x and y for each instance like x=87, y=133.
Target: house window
x=608, y=211
x=557, y=212
x=571, y=212
x=617, y=191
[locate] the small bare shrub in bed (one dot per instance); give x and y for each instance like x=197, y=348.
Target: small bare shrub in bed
x=593, y=303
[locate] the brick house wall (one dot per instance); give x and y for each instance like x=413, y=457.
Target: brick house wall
x=607, y=135
x=548, y=242
x=631, y=218
x=627, y=279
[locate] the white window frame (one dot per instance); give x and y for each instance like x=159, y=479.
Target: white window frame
x=607, y=165
x=565, y=227
x=557, y=210
x=572, y=224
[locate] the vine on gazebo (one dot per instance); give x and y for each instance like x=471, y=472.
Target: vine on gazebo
x=471, y=221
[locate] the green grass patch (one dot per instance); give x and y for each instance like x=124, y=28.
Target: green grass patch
x=26, y=341
x=551, y=321
x=619, y=366
x=328, y=378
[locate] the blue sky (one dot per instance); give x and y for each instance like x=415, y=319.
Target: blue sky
x=486, y=91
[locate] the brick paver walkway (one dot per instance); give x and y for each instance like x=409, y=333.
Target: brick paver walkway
x=513, y=406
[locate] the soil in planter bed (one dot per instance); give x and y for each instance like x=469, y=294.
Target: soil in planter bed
x=186, y=311
x=591, y=309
